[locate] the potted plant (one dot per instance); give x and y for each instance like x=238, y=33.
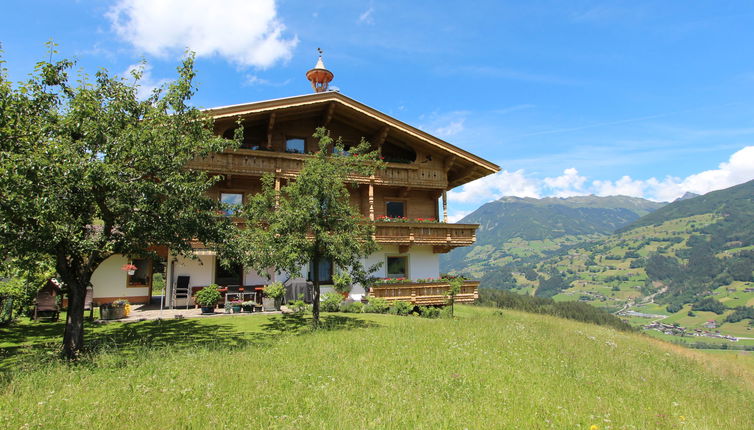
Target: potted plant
x=248, y=306
x=207, y=299
x=113, y=311
x=342, y=283
x=235, y=306
x=274, y=294
x=130, y=268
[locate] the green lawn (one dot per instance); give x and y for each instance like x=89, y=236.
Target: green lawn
x=485, y=369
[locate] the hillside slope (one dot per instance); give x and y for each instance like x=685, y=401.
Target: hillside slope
x=482, y=370
x=736, y=201
x=691, y=261
x=516, y=229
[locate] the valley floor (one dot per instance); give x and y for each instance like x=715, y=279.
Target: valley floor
x=485, y=369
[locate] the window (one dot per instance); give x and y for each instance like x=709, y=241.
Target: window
x=325, y=272
x=295, y=146
x=397, y=267
x=395, y=209
x=231, y=202
x=224, y=275
x=140, y=278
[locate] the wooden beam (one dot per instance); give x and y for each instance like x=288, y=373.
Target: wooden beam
x=444, y=206
x=402, y=249
x=448, y=164
x=440, y=249
x=380, y=136
x=270, y=127
x=328, y=114
x=404, y=191
x=371, y=198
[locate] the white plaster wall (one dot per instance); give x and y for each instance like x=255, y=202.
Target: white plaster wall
x=253, y=278
x=110, y=281
x=200, y=269
x=422, y=263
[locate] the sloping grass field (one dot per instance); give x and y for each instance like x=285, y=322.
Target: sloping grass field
x=484, y=369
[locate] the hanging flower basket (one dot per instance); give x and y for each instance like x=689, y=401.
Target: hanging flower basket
x=130, y=268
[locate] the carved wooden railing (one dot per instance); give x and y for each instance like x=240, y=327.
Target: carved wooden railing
x=284, y=165
x=425, y=293
x=418, y=233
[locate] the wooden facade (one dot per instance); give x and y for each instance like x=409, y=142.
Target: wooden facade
x=419, y=170
x=419, y=167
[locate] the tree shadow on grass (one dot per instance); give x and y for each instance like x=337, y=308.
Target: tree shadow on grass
x=178, y=334
x=299, y=324
x=34, y=344
x=38, y=343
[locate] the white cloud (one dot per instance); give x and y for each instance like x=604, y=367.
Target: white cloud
x=252, y=80
x=450, y=129
x=738, y=169
x=146, y=84
x=570, y=183
x=457, y=215
x=366, y=16
x=246, y=33
x=624, y=186
x=493, y=187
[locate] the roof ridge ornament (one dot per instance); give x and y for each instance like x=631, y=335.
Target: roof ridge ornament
x=319, y=76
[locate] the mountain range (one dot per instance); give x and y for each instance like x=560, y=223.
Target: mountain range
x=690, y=261
x=515, y=230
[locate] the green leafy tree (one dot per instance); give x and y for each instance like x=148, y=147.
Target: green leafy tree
x=454, y=289
x=88, y=170
x=311, y=219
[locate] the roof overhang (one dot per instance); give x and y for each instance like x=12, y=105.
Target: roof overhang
x=474, y=167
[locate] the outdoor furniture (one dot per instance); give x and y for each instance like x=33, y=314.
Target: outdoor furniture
x=235, y=291
x=47, y=300
x=239, y=292
x=298, y=288
x=89, y=302
x=181, y=290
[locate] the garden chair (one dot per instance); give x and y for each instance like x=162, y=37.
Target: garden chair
x=89, y=302
x=182, y=291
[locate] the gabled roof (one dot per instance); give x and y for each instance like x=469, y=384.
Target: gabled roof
x=468, y=166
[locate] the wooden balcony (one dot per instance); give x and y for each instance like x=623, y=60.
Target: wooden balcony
x=256, y=163
x=442, y=236
x=425, y=294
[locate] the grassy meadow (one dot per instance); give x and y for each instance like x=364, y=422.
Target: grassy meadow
x=483, y=369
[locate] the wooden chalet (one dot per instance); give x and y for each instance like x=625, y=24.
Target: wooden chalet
x=406, y=200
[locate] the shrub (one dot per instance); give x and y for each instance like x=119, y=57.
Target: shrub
x=331, y=302
x=352, y=307
x=275, y=290
x=673, y=308
x=299, y=307
x=709, y=304
x=208, y=296
x=446, y=312
x=342, y=282
x=377, y=305
x=401, y=308
x=429, y=312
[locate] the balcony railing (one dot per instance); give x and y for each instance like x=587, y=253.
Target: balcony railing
x=419, y=233
x=256, y=163
x=425, y=293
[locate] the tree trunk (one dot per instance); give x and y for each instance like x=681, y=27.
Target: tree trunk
x=76, y=277
x=73, y=340
x=315, y=295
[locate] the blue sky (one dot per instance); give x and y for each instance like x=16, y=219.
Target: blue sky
x=649, y=99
